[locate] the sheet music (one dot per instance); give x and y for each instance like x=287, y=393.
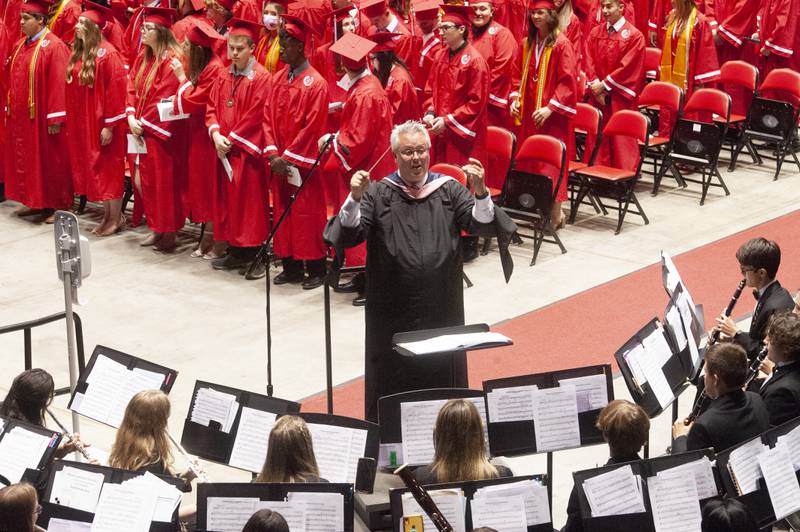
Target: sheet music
x=358, y=446
x=633, y=358
x=791, y=442
x=555, y=418
x=451, y=503
x=534, y=495
x=454, y=342
x=651, y=364
x=673, y=318
x=128, y=508
x=212, y=405
x=703, y=474
x=229, y=514
x=76, y=488
x=324, y=511
x=511, y=404
x=784, y=491
x=252, y=436
x=743, y=462
x=686, y=308
x=134, y=381
x=507, y=515
x=21, y=449
x=614, y=493
x=672, y=277
x=337, y=450
x=294, y=514
x=591, y=391
x=657, y=347
x=417, y=420
x=674, y=502
x=168, y=497
x=65, y=525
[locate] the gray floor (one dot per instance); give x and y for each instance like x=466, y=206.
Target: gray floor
x=175, y=310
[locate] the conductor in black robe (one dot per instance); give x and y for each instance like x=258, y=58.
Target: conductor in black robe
x=412, y=221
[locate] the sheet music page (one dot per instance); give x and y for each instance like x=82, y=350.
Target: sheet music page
x=102, y=389
x=294, y=514
x=451, y=503
x=168, y=497
x=791, y=442
x=703, y=474
x=212, y=405
x=784, y=491
x=21, y=449
x=507, y=515
x=633, y=357
x=65, y=525
x=651, y=363
x=672, y=277
x=534, y=495
x=250, y=446
x=454, y=342
x=332, y=450
x=229, y=514
x=675, y=504
x=511, y=404
x=358, y=444
x=76, y=488
x=657, y=347
x=743, y=463
x=591, y=391
x=673, y=318
x=614, y=493
x=133, y=382
x=555, y=418
x=128, y=508
x=686, y=308
x=324, y=511
x=417, y=420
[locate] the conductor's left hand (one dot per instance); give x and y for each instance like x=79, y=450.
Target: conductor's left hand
x=475, y=175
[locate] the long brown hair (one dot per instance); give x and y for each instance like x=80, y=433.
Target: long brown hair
x=460, y=451
x=683, y=8
x=85, y=49
x=142, y=437
x=290, y=453
x=17, y=506
x=165, y=42
x=552, y=28
x=30, y=394
x=198, y=58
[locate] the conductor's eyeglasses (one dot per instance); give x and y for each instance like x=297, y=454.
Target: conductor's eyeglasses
x=410, y=152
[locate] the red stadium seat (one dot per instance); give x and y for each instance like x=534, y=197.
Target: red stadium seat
x=656, y=97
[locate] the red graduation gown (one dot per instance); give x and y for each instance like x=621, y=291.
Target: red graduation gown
x=192, y=99
x=162, y=169
x=559, y=94
x=497, y=46
x=402, y=96
x=595, y=17
x=777, y=33
x=513, y=14
x=430, y=48
x=247, y=10
x=407, y=46
x=294, y=119
x=241, y=212
x=458, y=91
x=98, y=171
x=36, y=163
x=63, y=24
x=617, y=60
x=114, y=33
x=736, y=20
x=11, y=12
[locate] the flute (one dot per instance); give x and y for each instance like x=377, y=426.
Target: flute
x=71, y=437
x=198, y=471
x=424, y=500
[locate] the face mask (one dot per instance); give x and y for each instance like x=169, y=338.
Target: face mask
x=271, y=22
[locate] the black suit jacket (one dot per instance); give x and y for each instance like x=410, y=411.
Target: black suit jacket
x=781, y=394
x=730, y=419
x=774, y=299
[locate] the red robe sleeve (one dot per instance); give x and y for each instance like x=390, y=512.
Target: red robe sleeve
x=705, y=68
x=462, y=120
x=402, y=96
x=564, y=99
x=627, y=79
x=212, y=122
x=130, y=98
x=504, y=48
x=115, y=83
x=778, y=26
x=191, y=98
x=516, y=71
x=367, y=106
x=164, y=86
x=248, y=132
x=53, y=77
x=740, y=21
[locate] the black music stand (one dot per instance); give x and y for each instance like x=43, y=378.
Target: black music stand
x=31, y=475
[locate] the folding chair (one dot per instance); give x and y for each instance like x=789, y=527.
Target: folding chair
x=773, y=123
x=656, y=97
x=529, y=196
x=652, y=63
x=740, y=81
x=588, y=122
x=458, y=174
x=617, y=183
x=698, y=138
x=501, y=144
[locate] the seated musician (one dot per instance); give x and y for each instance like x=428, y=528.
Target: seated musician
x=781, y=389
x=19, y=508
x=727, y=515
x=290, y=453
x=625, y=427
x=733, y=415
x=459, y=447
x=266, y=521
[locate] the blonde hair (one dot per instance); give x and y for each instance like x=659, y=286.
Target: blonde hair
x=165, y=42
x=564, y=15
x=142, y=437
x=17, y=506
x=460, y=450
x=290, y=453
x=86, y=50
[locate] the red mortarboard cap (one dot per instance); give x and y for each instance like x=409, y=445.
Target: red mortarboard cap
x=353, y=50
x=160, y=15
x=428, y=10
x=227, y=4
x=202, y=34
x=541, y=4
x=385, y=41
x=35, y=6
x=373, y=8
x=459, y=15
x=298, y=28
x=247, y=28
x=342, y=12
x=97, y=13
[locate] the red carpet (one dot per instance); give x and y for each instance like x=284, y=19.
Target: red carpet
x=590, y=326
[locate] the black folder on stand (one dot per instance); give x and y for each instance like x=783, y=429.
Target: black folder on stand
x=9, y=424
x=696, y=327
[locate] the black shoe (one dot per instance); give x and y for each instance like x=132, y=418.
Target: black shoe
x=230, y=262
x=356, y=284
x=360, y=300
x=313, y=281
x=259, y=271
x=288, y=278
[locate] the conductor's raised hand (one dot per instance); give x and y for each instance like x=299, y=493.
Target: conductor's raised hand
x=358, y=184
x=475, y=176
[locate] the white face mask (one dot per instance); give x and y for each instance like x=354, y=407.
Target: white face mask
x=271, y=22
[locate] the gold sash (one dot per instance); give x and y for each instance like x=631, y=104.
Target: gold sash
x=677, y=73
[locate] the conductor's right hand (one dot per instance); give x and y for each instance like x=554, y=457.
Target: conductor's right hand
x=358, y=184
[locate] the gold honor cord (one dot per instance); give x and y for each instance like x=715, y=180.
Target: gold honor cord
x=677, y=73
x=541, y=78
x=31, y=72
x=57, y=14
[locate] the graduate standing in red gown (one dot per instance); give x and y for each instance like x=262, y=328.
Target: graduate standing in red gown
x=497, y=46
x=160, y=173
x=427, y=15
x=36, y=162
x=204, y=68
x=268, y=47
x=777, y=34
x=384, y=19
x=96, y=128
x=544, y=100
x=294, y=119
x=234, y=117
x=615, y=71
x=457, y=94
x=192, y=12
x=395, y=79
x=736, y=21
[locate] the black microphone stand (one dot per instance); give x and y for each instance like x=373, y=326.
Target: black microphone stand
x=265, y=254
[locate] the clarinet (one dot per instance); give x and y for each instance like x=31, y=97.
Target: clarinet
x=423, y=499
x=713, y=338
x=71, y=437
x=752, y=371
x=198, y=471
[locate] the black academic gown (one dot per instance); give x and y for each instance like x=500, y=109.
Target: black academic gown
x=414, y=279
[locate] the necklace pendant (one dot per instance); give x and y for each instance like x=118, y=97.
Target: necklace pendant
x=229, y=103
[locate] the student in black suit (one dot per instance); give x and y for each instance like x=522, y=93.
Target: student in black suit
x=625, y=427
x=733, y=415
x=759, y=260
x=781, y=389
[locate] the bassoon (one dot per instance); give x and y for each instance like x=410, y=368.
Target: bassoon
x=423, y=499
